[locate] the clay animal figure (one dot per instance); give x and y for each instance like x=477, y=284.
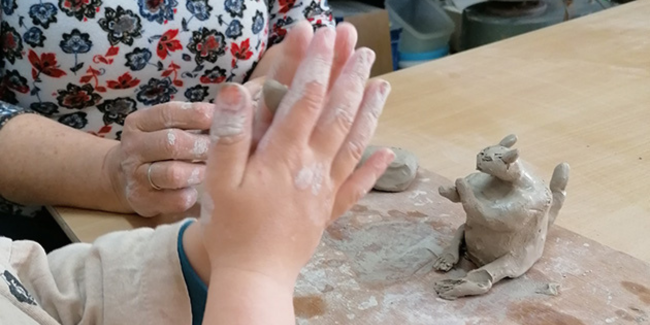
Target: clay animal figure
x=400, y=173
x=509, y=211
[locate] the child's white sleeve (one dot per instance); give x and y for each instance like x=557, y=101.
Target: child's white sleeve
x=131, y=277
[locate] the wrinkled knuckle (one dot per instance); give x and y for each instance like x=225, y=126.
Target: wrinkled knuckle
x=343, y=118
x=231, y=139
x=314, y=95
x=355, y=150
x=167, y=114
x=374, y=111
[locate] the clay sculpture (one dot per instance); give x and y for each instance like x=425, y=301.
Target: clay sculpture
x=399, y=175
x=509, y=211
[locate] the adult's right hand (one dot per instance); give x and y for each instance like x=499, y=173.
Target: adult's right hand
x=160, y=160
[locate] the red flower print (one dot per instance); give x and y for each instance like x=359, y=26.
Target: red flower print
x=243, y=51
x=125, y=81
x=45, y=64
x=102, y=132
x=286, y=5
x=107, y=59
x=173, y=69
x=168, y=44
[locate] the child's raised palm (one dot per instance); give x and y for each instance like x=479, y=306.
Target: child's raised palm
x=265, y=212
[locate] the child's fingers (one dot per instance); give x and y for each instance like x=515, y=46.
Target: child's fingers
x=343, y=103
x=346, y=41
x=361, y=181
x=302, y=105
x=230, y=135
x=362, y=130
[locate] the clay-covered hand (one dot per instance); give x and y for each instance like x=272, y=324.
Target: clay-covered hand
x=159, y=160
x=294, y=49
x=265, y=212
x=450, y=193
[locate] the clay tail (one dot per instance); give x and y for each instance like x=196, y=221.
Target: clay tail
x=558, y=186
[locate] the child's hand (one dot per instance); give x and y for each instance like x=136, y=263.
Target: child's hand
x=265, y=213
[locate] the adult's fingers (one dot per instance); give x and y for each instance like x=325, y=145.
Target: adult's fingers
x=179, y=115
x=151, y=202
x=361, y=181
x=173, y=175
x=362, y=130
x=343, y=103
x=346, y=41
x=170, y=144
x=231, y=135
x=302, y=105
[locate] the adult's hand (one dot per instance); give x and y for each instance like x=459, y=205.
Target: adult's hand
x=160, y=160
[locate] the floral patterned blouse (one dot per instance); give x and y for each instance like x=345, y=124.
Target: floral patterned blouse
x=90, y=63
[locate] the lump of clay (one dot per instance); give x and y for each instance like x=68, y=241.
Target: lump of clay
x=509, y=210
x=273, y=92
x=400, y=173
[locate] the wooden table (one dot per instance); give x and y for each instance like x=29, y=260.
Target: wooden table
x=576, y=92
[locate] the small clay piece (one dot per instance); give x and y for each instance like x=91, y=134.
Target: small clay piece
x=509, y=210
x=273, y=93
x=400, y=173
x=550, y=289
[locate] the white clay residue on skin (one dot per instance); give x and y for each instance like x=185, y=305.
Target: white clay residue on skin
x=194, y=177
x=200, y=147
x=310, y=177
x=191, y=198
x=171, y=137
x=227, y=124
x=186, y=105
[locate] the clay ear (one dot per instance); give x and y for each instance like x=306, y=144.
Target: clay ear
x=510, y=156
x=509, y=141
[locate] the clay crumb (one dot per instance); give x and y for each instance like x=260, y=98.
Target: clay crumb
x=549, y=289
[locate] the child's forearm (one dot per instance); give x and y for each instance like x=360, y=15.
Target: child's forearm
x=242, y=297
x=233, y=295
